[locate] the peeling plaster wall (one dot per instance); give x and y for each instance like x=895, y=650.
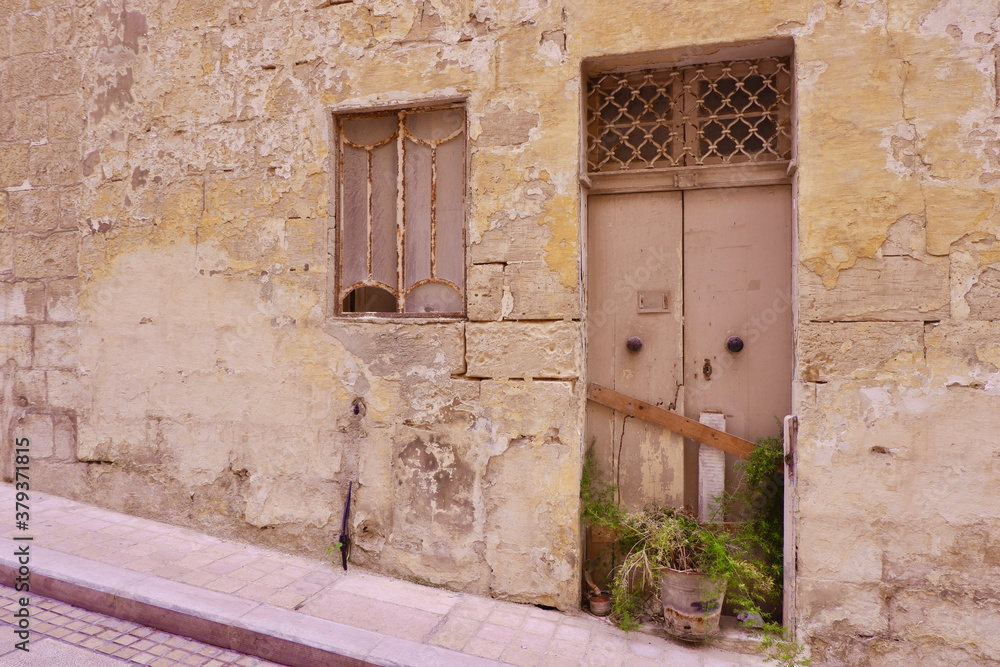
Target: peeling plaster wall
x=168, y=338
x=897, y=360
x=166, y=334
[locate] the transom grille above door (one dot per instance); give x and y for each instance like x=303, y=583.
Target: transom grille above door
x=698, y=115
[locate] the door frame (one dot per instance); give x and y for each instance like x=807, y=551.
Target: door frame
x=705, y=177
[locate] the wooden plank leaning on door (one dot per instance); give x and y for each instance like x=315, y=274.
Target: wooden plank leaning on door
x=670, y=420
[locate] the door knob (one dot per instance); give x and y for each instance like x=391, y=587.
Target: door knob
x=634, y=344
x=734, y=344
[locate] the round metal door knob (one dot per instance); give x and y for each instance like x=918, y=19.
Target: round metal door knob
x=734, y=344
x=634, y=344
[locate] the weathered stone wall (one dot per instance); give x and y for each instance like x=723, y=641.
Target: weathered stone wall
x=167, y=332
x=898, y=358
x=170, y=346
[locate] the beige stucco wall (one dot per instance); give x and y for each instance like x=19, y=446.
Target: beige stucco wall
x=165, y=183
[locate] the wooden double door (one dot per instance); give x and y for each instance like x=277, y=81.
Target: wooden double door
x=689, y=308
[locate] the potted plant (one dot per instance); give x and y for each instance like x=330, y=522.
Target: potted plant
x=690, y=563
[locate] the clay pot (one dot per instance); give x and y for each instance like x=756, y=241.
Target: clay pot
x=692, y=604
x=600, y=604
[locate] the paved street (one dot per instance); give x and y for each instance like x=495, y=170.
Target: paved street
x=63, y=635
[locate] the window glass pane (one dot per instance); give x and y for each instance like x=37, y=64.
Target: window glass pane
x=420, y=212
x=384, y=170
x=435, y=125
x=433, y=298
x=354, y=230
x=450, y=205
x=370, y=131
x=417, y=186
x=369, y=300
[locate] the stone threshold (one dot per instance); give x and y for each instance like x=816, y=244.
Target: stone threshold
x=732, y=637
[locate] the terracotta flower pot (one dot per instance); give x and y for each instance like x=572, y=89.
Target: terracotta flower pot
x=600, y=604
x=692, y=603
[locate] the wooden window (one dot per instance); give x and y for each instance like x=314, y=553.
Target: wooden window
x=401, y=213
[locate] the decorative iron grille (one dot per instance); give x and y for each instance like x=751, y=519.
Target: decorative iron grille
x=715, y=113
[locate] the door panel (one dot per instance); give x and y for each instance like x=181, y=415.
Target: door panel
x=724, y=257
x=634, y=246
x=737, y=282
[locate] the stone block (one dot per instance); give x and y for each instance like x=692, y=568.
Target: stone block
x=8, y=111
x=909, y=453
x=429, y=526
x=31, y=123
x=431, y=402
x=964, y=352
x=940, y=615
x=983, y=297
x=856, y=608
x=61, y=300
x=502, y=126
x=538, y=410
x=274, y=501
x=890, y=288
x=6, y=253
x=29, y=33
x=43, y=75
x=390, y=347
x=305, y=241
x=67, y=391
x=52, y=256
x=22, y=302
x=277, y=451
x=510, y=239
x=951, y=212
x=71, y=217
x=38, y=429
x=523, y=349
x=15, y=344
x=435, y=484
x=64, y=437
x=538, y=294
x=84, y=31
x=55, y=164
x=65, y=118
x=29, y=388
x=484, y=292
x=832, y=548
x=64, y=35
x=532, y=524
x=199, y=451
x=56, y=346
x=12, y=6
x=196, y=13
x=13, y=165
x=33, y=210
x=842, y=351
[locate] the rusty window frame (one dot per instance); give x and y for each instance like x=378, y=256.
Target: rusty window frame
x=676, y=118
x=399, y=291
